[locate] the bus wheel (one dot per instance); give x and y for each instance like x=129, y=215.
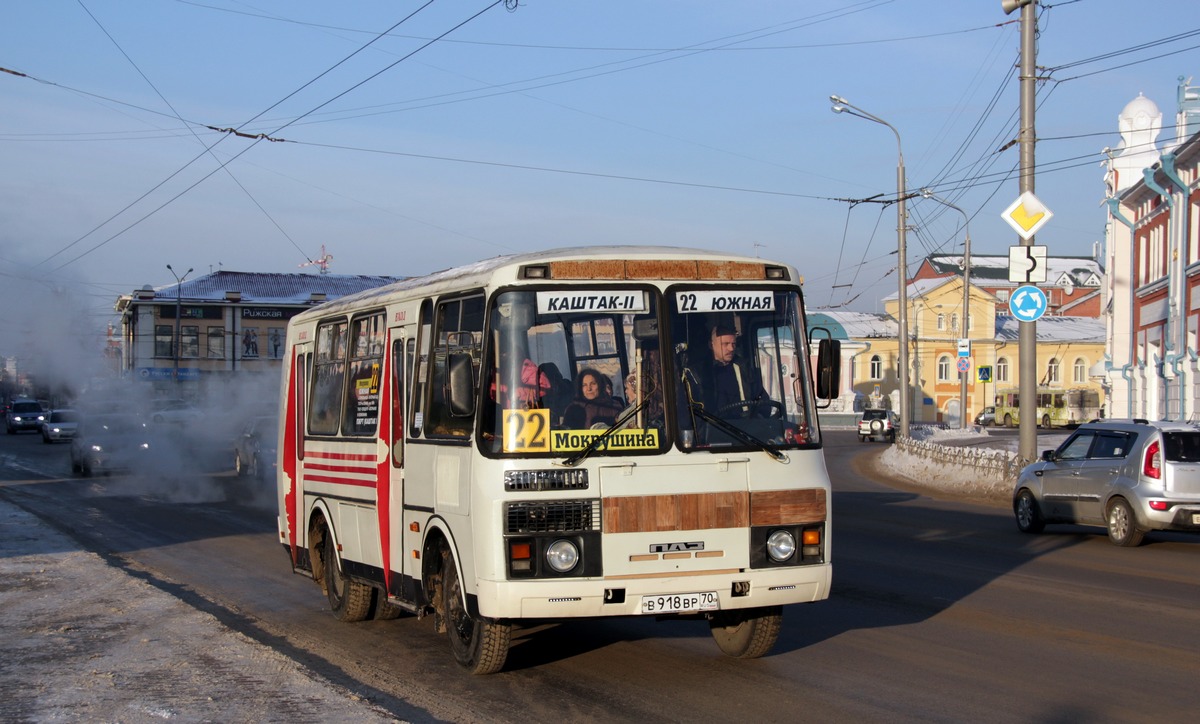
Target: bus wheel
x=478, y=645
x=348, y=599
x=1008, y=421
x=383, y=610
x=1045, y=422
x=747, y=633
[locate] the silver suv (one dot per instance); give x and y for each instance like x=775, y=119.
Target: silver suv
x=1131, y=476
x=878, y=425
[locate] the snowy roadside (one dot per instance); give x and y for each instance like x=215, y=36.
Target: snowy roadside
x=86, y=641
x=922, y=472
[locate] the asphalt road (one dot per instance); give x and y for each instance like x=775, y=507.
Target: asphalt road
x=941, y=611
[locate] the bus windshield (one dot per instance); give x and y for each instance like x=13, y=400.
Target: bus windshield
x=743, y=368
x=562, y=366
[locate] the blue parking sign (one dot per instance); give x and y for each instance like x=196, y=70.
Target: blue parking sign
x=985, y=373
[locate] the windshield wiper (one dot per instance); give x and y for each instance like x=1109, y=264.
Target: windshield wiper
x=737, y=432
x=595, y=443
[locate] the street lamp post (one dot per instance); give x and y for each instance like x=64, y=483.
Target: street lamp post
x=966, y=309
x=841, y=105
x=178, y=311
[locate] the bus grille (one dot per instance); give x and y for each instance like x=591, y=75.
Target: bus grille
x=564, y=516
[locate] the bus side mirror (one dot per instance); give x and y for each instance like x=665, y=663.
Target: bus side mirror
x=829, y=368
x=462, y=385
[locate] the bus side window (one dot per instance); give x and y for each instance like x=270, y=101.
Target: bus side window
x=401, y=363
x=329, y=377
x=458, y=337
x=420, y=382
x=361, y=414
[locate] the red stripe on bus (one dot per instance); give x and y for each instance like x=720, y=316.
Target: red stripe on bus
x=360, y=469
x=325, y=455
x=339, y=481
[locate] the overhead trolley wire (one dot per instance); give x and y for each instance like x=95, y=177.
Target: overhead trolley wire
x=281, y=127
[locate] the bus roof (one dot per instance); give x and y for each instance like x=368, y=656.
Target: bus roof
x=595, y=263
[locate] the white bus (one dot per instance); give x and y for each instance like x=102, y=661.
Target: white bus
x=432, y=459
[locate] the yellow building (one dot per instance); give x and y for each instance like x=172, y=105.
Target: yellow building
x=1068, y=348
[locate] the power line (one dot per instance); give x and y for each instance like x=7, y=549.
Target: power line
x=285, y=125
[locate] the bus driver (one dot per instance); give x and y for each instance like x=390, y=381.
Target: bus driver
x=719, y=381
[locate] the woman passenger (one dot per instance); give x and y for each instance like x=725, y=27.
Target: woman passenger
x=593, y=404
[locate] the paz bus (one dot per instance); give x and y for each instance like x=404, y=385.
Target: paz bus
x=1056, y=407
x=429, y=463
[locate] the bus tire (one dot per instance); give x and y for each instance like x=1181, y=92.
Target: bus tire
x=1008, y=420
x=746, y=633
x=1045, y=422
x=383, y=610
x=349, y=600
x=478, y=645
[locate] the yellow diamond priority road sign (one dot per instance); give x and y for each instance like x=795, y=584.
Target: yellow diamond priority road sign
x=1026, y=215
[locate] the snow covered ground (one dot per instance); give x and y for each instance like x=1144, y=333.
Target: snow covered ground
x=84, y=641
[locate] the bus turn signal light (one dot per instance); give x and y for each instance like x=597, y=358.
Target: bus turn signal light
x=520, y=551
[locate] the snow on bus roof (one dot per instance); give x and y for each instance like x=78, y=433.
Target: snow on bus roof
x=484, y=267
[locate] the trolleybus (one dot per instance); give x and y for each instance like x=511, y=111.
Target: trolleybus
x=433, y=459
x=1056, y=407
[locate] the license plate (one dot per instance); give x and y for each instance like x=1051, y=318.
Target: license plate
x=1195, y=518
x=681, y=602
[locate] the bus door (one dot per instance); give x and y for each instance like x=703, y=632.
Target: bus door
x=394, y=534
x=291, y=451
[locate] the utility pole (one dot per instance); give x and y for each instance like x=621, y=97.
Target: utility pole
x=178, y=311
x=1027, y=339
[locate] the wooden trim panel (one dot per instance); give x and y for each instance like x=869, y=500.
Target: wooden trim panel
x=781, y=507
x=693, y=511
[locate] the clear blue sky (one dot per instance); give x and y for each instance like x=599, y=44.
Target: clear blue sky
x=470, y=131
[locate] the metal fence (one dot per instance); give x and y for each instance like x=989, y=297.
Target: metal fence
x=987, y=462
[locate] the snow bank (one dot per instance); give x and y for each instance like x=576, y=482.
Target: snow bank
x=954, y=461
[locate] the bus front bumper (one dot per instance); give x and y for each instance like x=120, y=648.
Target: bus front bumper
x=615, y=596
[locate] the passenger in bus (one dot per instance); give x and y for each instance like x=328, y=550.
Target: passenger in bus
x=652, y=412
x=558, y=395
x=719, y=382
x=534, y=384
x=592, y=405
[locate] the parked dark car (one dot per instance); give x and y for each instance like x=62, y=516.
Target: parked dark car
x=254, y=449
x=1131, y=476
x=24, y=415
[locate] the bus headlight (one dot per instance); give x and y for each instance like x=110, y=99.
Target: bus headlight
x=562, y=555
x=781, y=545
